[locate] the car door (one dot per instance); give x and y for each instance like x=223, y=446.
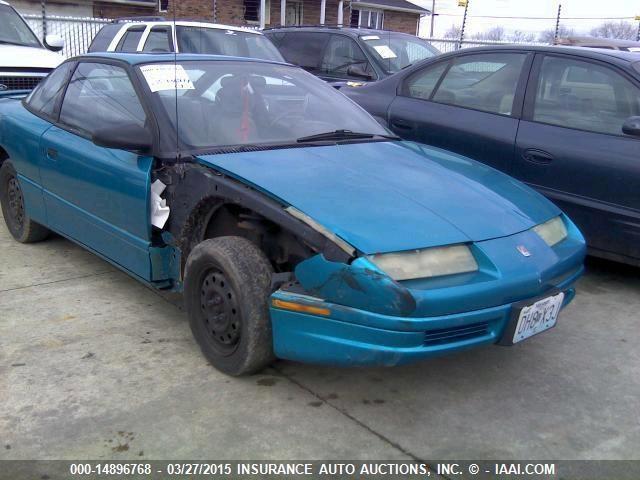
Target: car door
x=99, y=196
x=570, y=146
x=158, y=39
x=469, y=104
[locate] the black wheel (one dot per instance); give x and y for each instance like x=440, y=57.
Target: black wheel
x=20, y=225
x=226, y=289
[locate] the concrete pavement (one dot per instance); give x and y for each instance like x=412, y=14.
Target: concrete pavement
x=93, y=365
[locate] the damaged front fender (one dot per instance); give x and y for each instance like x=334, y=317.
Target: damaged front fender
x=359, y=285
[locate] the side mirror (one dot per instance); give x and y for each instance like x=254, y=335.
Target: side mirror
x=356, y=71
x=55, y=43
x=631, y=126
x=130, y=137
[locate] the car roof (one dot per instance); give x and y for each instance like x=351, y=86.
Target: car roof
x=594, y=53
x=141, y=58
x=218, y=26
x=613, y=42
x=351, y=31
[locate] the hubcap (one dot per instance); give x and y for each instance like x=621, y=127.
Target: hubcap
x=220, y=311
x=16, y=202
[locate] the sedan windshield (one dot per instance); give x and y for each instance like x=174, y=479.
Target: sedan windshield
x=13, y=29
x=393, y=52
x=216, y=41
x=222, y=103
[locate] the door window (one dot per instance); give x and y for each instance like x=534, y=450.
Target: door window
x=341, y=53
x=484, y=82
x=159, y=40
x=129, y=41
x=584, y=95
x=304, y=49
x=421, y=84
x=98, y=96
x=46, y=95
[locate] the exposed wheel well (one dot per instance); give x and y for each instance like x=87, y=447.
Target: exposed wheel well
x=213, y=218
x=3, y=155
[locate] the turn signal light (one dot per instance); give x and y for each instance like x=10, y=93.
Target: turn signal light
x=299, y=307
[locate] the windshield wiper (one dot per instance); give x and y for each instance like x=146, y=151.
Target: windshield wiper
x=342, y=134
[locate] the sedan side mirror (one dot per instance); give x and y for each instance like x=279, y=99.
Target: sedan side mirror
x=130, y=137
x=55, y=43
x=356, y=71
x=631, y=126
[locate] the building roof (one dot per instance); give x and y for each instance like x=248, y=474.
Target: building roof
x=399, y=5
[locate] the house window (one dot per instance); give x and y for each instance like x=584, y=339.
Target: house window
x=252, y=11
x=294, y=13
x=163, y=6
x=370, y=19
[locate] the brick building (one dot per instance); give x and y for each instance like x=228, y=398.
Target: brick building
x=397, y=15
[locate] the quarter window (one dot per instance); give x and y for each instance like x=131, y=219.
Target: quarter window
x=484, y=82
x=100, y=95
x=585, y=96
x=46, y=95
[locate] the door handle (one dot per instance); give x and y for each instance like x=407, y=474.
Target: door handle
x=534, y=155
x=52, y=153
x=401, y=124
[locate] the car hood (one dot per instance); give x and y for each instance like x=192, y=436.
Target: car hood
x=391, y=196
x=28, y=57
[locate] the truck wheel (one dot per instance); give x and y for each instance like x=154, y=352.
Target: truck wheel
x=20, y=225
x=226, y=291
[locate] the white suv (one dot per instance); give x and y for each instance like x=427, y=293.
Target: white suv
x=135, y=36
x=24, y=60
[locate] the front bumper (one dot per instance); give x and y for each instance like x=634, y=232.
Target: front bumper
x=354, y=337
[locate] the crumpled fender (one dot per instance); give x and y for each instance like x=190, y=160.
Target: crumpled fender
x=359, y=285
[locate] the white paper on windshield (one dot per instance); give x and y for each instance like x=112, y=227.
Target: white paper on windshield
x=370, y=37
x=384, y=51
x=166, y=76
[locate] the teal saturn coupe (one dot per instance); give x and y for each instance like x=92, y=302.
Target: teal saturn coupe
x=294, y=225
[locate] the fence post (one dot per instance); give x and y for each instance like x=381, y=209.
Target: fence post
x=464, y=21
x=44, y=18
x=555, y=35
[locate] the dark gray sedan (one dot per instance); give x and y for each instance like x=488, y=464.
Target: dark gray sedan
x=565, y=120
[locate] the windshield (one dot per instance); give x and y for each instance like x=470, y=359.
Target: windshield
x=222, y=103
x=14, y=30
x=394, y=52
x=215, y=41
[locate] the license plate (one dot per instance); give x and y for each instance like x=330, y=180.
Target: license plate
x=538, y=317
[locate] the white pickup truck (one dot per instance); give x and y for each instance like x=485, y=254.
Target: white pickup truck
x=24, y=59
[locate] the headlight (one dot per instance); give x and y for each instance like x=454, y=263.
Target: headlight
x=552, y=232
x=430, y=262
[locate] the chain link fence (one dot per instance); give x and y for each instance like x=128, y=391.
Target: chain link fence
x=77, y=32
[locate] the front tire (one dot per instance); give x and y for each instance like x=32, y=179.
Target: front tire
x=20, y=225
x=226, y=289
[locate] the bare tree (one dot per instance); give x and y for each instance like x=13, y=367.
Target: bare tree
x=622, y=30
x=493, y=34
x=518, y=36
x=547, y=36
x=453, y=32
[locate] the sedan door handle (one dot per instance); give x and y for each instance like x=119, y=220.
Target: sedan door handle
x=534, y=155
x=401, y=124
x=52, y=153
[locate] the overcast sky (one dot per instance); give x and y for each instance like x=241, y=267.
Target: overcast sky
x=450, y=14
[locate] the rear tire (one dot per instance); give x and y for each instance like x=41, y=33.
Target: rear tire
x=20, y=225
x=226, y=291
